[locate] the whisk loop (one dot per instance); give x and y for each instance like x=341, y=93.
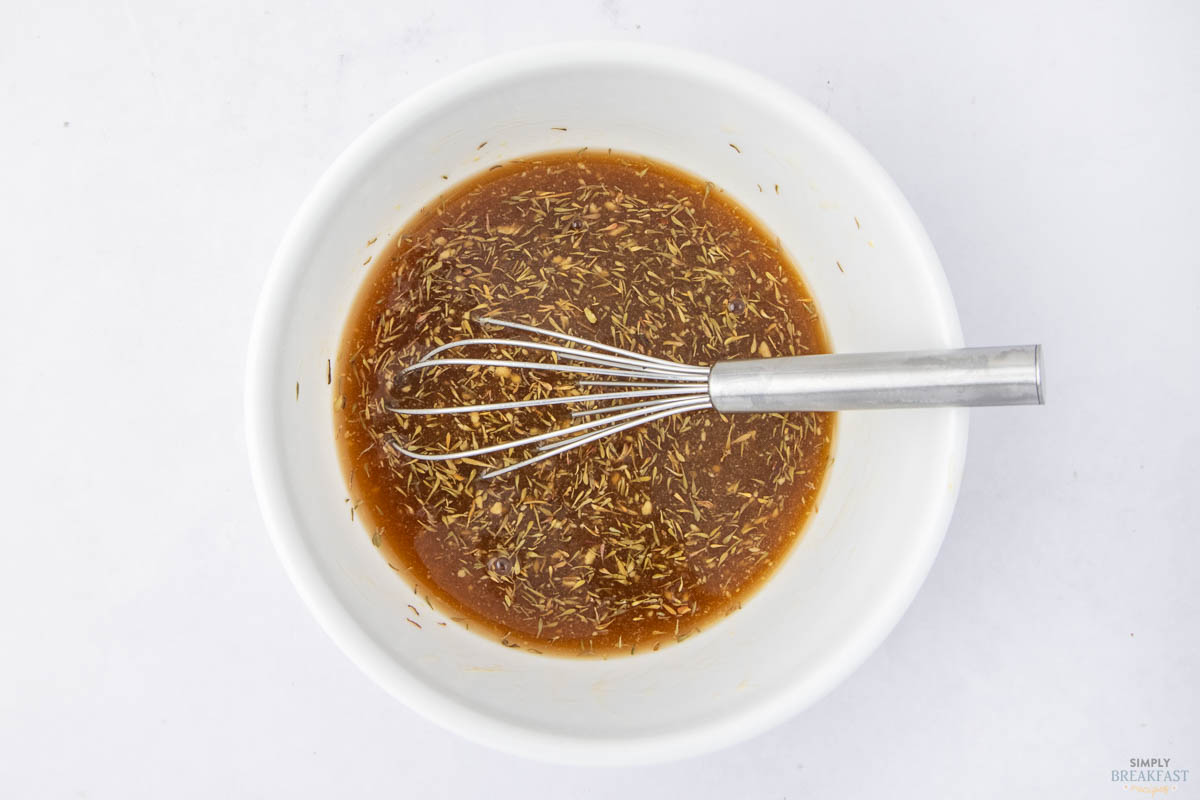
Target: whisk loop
x=659, y=388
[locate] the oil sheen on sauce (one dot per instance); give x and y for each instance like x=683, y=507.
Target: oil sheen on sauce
x=619, y=546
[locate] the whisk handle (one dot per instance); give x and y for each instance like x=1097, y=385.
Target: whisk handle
x=975, y=376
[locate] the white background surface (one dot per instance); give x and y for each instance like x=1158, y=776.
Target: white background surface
x=150, y=644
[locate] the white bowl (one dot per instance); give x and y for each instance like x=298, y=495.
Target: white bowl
x=888, y=495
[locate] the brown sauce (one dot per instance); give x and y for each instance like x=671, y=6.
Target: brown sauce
x=644, y=537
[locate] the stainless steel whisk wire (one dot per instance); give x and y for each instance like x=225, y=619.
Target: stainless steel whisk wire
x=678, y=388
x=653, y=388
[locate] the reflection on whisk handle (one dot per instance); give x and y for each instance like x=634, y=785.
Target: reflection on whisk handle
x=976, y=376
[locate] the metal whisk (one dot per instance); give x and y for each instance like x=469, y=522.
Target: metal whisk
x=648, y=388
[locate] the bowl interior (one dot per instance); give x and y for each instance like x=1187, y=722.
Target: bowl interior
x=887, y=496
